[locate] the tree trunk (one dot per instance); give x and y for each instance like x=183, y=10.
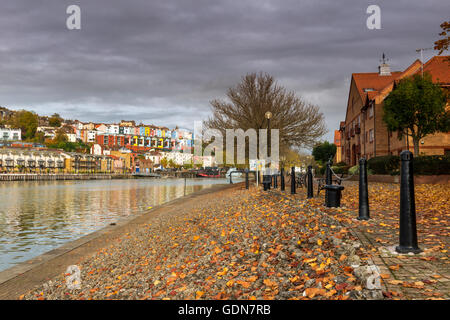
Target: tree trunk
x=416, y=146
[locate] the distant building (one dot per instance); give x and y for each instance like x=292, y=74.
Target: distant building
x=31, y=160
x=124, y=123
x=337, y=142
x=71, y=137
x=5, y=114
x=206, y=161
x=178, y=158
x=154, y=157
x=49, y=132
x=7, y=134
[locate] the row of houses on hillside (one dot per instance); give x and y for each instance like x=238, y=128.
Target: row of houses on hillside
x=139, y=138
x=364, y=134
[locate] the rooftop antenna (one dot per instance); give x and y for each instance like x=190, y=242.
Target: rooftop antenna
x=421, y=50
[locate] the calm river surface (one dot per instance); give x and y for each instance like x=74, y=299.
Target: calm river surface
x=36, y=217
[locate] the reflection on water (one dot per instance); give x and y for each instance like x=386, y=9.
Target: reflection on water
x=36, y=217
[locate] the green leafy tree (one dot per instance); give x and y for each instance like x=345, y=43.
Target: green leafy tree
x=322, y=152
x=61, y=142
x=172, y=164
x=27, y=121
x=55, y=120
x=60, y=136
x=188, y=165
x=416, y=107
x=39, y=137
x=164, y=162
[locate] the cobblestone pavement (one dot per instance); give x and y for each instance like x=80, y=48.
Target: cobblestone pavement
x=405, y=276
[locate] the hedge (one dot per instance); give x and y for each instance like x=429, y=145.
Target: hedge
x=340, y=169
x=423, y=165
x=432, y=165
x=384, y=164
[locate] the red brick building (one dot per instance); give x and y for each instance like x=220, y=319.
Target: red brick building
x=364, y=132
x=337, y=142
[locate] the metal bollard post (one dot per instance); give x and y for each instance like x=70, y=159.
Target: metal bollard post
x=328, y=177
x=282, y=179
x=408, y=230
x=246, y=178
x=363, y=191
x=310, y=193
x=293, y=180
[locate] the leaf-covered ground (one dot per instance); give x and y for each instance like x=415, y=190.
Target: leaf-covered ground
x=241, y=244
x=418, y=276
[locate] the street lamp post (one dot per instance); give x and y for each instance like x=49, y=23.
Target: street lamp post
x=268, y=116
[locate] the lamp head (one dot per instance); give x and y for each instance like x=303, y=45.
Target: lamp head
x=268, y=115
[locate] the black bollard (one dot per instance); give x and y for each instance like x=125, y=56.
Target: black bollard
x=275, y=181
x=282, y=179
x=363, y=191
x=408, y=230
x=328, y=177
x=310, y=193
x=246, y=179
x=293, y=180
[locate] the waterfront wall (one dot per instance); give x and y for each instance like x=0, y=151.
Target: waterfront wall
x=61, y=176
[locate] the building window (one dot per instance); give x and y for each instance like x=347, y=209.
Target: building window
x=371, y=135
x=370, y=111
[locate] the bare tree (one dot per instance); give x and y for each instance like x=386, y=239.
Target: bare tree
x=301, y=124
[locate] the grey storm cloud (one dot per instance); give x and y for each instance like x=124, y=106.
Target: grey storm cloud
x=161, y=62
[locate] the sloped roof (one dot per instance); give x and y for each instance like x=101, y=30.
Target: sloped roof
x=439, y=69
x=373, y=80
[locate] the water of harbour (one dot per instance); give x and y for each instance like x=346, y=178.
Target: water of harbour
x=38, y=216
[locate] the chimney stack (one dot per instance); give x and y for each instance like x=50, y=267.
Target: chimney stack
x=384, y=69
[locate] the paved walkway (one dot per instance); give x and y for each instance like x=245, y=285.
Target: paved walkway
x=422, y=276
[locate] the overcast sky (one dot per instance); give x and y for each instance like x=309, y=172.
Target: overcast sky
x=161, y=62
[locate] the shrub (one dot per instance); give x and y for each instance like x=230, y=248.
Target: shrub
x=322, y=170
x=384, y=164
x=432, y=165
x=340, y=169
x=423, y=165
x=353, y=170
